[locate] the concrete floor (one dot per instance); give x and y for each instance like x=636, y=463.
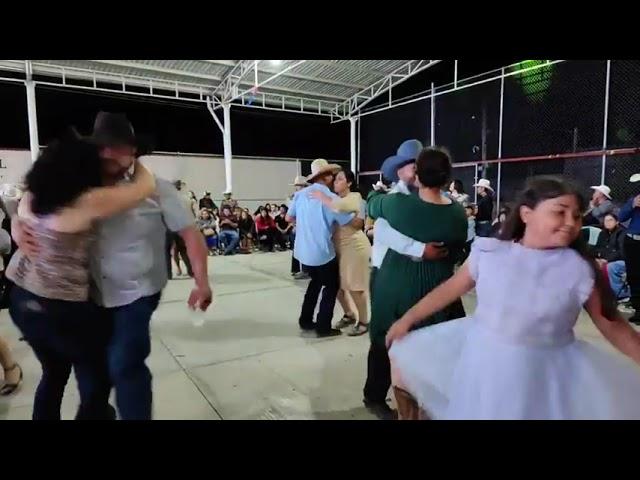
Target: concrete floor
x=248, y=361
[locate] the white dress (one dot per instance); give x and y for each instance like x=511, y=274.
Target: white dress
x=517, y=357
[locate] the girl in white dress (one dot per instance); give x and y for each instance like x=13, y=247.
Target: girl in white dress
x=517, y=356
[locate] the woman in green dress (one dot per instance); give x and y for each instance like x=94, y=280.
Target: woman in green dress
x=402, y=281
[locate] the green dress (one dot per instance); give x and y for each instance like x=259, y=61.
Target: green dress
x=401, y=281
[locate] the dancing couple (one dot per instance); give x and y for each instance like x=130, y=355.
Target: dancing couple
x=91, y=267
x=316, y=210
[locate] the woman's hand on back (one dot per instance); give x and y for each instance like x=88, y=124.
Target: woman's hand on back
x=143, y=177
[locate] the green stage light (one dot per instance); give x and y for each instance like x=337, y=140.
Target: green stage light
x=535, y=82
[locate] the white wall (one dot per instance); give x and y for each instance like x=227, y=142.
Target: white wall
x=14, y=164
x=256, y=181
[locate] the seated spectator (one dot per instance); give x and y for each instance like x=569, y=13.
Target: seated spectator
x=471, y=230
x=283, y=227
x=209, y=228
x=600, y=206
x=228, y=225
x=498, y=222
x=246, y=228
x=266, y=229
x=609, y=252
x=256, y=214
x=207, y=202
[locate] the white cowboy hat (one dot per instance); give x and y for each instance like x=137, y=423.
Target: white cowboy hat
x=483, y=182
x=299, y=182
x=603, y=189
x=635, y=178
x=320, y=166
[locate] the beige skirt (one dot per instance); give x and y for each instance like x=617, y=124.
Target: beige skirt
x=354, y=252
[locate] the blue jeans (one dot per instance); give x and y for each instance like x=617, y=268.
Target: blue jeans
x=64, y=335
x=230, y=239
x=483, y=229
x=616, y=271
x=212, y=241
x=128, y=349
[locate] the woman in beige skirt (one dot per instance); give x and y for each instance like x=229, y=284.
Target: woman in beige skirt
x=354, y=252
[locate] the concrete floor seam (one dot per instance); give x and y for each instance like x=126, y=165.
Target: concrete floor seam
x=191, y=379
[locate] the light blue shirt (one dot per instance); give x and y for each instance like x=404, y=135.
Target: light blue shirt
x=385, y=236
x=314, y=226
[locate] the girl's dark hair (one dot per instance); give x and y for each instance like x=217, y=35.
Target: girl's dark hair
x=264, y=209
x=257, y=212
x=612, y=215
x=433, y=167
x=67, y=168
x=537, y=190
x=285, y=207
x=458, y=186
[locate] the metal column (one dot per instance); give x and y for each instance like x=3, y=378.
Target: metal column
x=500, y=142
x=32, y=113
x=354, y=153
x=606, y=121
x=433, y=115
x=226, y=134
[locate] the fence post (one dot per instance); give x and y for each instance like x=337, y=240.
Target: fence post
x=475, y=190
x=498, y=186
x=606, y=121
x=433, y=115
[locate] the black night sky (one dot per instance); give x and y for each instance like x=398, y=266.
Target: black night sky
x=188, y=127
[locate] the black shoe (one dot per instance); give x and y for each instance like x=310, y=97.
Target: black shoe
x=381, y=410
x=308, y=327
x=330, y=333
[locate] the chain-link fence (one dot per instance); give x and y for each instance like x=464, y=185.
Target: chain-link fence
x=578, y=119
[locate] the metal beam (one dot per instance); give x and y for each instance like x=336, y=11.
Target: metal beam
x=399, y=75
x=351, y=68
x=310, y=78
x=151, y=68
x=228, y=86
x=226, y=63
x=267, y=80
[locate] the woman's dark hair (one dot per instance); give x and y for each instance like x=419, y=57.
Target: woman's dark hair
x=264, y=209
x=537, y=190
x=286, y=209
x=433, y=167
x=257, y=212
x=612, y=215
x=66, y=169
x=458, y=186
x=351, y=178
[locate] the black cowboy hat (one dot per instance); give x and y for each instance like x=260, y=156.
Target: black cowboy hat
x=115, y=130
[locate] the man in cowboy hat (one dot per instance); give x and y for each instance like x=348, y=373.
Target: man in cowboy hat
x=401, y=170
x=296, y=270
x=128, y=268
x=600, y=206
x=484, y=215
x=228, y=201
x=630, y=212
x=314, y=247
